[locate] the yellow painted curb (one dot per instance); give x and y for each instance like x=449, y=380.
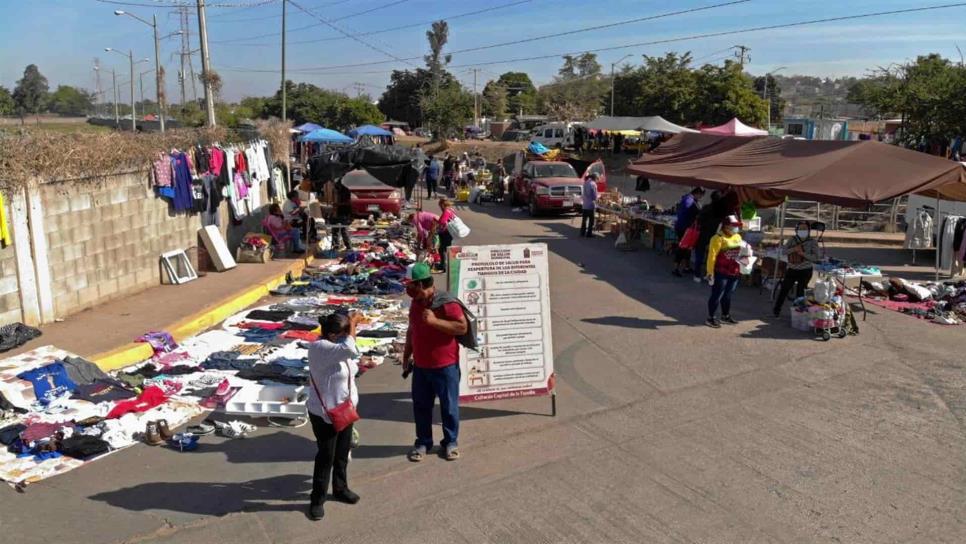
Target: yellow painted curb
x=212, y=315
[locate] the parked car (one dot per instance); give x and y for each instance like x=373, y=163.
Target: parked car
x=515, y=136
x=553, y=186
x=554, y=135
x=371, y=196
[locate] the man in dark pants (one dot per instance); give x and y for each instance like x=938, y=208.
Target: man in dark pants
x=688, y=209
x=802, y=251
x=343, y=215
x=432, y=354
x=589, y=208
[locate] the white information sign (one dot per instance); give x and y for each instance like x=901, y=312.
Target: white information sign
x=507, y=287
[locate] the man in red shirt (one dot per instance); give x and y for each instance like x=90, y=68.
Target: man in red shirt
x=432, y=354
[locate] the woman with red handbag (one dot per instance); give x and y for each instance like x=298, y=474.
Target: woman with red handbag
x=331, y=406
x=686, y=230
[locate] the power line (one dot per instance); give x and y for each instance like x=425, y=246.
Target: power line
x=253, y=19
x=395, y=28
x=348, y=35
x=174, y=4
x=307, y=12
x=555, y=35
x=323, y=70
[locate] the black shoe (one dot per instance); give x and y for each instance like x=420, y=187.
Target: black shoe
x=776, y=313
x=677, y=274
x=346, y=495
x=728, y=319
x=316, y=512
x=713, y=323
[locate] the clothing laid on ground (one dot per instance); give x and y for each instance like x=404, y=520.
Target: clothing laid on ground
x=15, y=335
x=723, y=255
x=82, y=371
x=269, y=315
x=103, y=391
x=431, y=347
x=332, y=369
x=151, y=397
x=50, y=382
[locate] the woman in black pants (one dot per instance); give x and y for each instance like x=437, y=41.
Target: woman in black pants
x=802, y=252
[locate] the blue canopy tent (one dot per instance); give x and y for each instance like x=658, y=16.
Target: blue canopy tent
x=369, y=130
x=326, y=136
x=307, y=127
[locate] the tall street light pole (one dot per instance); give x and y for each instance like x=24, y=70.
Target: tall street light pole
x=612, y=80
x=157, y=60
x=767, y=100
x=117, y=114
x=130, y=58
x=141, y=80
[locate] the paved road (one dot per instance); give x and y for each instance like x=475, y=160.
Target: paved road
x=668, y=431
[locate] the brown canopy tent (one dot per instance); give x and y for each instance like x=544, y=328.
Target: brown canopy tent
x=767, y=170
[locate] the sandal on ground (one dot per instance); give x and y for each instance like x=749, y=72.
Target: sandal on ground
x=201, y=429
x=451, y=453
x=417, y=454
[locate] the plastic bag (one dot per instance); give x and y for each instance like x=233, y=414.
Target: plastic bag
x=457, y=228
x=746, y=259
x=690, y=238
x=824, y=291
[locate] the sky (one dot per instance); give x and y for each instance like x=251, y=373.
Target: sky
x=63, y=38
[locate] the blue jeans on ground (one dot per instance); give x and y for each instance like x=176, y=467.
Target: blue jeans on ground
x=721, y=294
x=427, y=385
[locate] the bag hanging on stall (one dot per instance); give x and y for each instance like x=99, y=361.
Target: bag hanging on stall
x=690, y=238
x=345, y=413
x=457, y=228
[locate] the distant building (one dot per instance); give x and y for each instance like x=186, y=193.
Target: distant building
x=817, y=129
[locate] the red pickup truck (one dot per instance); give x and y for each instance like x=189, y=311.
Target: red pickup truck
x=553, y=186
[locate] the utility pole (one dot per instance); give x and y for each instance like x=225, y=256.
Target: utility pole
x=134, y=126
x=206, y=63
x=117, y=114
x=97, y=86
x=613, y=80
x=284, y=90
x=741, y=54
x=157, y=72
x=476, y=100
x=185, y=47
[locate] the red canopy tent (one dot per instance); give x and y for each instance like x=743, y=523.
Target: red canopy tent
x=734, y=128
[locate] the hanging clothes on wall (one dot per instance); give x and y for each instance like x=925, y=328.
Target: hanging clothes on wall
x=945, y=244
x=959, y=248
x=919, y=231
x=183, y=199
x=162, y=170
x=212, y=200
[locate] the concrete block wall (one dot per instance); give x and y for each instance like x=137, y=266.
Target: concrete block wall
x=105, y=238
x=9, y=285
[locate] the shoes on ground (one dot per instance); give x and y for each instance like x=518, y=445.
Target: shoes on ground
x=713, y=323
x=316, y=512
x=728, y=319
x=346, y=495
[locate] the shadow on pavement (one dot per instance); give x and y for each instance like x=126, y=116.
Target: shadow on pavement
x=629, y=322
x=214, y=498
x=397, y=407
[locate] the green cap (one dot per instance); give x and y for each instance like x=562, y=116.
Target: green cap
x=418, y=272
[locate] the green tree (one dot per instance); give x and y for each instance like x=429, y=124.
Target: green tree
x=664, y=86
x=7, y=105
x=521, y=93
x=927, y=94
x=30, y=94
x=254, y=106
x=494, y=100
x=448, y=111
x=67, y=100
x=775, y=100
x=354, y=112
x=724, y=92
x=437, y=36
x=577, y=92
x=401, y=99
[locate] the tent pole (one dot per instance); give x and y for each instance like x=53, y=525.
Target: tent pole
x=938, y=222
x=781, y=243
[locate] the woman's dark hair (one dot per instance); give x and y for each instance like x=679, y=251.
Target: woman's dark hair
x=292, y=194
x=275, y=209
x=337, y=323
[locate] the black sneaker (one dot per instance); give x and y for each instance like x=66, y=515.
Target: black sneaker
x=346, y=495
x=316, y=512
x=776, y=313
x=713, y=323
x=728, y=319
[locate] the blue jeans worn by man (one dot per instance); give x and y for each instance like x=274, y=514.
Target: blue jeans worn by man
x=428, y=385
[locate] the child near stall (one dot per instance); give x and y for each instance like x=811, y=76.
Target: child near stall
x=332, y=371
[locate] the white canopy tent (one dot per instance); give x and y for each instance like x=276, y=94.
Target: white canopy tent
x=654, y=123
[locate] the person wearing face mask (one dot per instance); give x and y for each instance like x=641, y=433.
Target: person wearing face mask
x=723, y=270
x=436, y=319
x=802, y=252
x=332, y=371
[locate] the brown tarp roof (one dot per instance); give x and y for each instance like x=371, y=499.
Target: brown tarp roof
x=836, y=172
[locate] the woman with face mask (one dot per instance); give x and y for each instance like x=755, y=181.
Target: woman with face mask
x=723, y=270
x=802, y=251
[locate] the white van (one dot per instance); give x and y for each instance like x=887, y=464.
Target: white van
x=554, y=135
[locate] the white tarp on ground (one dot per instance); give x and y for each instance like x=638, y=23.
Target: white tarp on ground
x=654, y=123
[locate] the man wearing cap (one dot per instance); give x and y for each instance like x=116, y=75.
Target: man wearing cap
x=436, y=319
x=589, y=195
x=723, y=270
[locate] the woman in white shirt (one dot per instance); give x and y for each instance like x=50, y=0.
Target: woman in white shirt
x=332, y=368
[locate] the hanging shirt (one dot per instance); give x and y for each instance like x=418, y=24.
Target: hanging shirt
x=183, y=199
x=162, y=171
x=5, y=238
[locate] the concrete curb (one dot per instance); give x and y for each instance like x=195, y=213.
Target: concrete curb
x=191, y=325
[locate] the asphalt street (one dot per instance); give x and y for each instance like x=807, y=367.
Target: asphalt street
x=667, y=431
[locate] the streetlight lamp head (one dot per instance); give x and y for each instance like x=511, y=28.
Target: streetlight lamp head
x=119, y=12
x=108, y=49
